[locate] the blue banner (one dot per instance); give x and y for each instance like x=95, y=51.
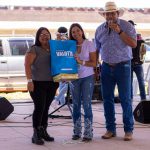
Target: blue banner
x=62, y=57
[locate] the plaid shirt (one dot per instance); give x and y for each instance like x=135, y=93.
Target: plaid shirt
x=111, y=46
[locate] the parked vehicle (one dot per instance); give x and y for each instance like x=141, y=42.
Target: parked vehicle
x=12, y=51
x=147, y=57
x=147, y=41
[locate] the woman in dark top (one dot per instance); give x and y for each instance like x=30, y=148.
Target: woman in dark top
x=40, y=85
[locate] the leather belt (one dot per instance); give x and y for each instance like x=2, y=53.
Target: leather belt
x=115, y=64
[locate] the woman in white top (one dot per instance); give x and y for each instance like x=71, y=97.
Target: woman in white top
x=82, y=90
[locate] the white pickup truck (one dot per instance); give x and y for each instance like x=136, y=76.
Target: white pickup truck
x=12, y=51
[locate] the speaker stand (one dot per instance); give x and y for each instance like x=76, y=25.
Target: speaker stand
x=27, y=116
x=68, y=103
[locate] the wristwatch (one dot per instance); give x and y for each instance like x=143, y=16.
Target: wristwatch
x=29, y=80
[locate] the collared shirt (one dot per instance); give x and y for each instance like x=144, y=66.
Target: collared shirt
x=112, y=48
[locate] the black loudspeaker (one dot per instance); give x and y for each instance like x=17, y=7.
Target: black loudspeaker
x=97, y=85
x=142, y=112
x=97, y=92
x=6, y=108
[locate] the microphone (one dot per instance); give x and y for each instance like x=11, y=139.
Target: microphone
x=109, y=29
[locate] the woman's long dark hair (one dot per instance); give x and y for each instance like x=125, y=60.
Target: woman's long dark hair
x=37, y=42
x=76, y=25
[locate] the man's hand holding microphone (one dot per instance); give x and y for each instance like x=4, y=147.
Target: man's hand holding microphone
x=114, y=26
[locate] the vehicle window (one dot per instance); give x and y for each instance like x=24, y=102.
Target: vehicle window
x=1, y=48
x=30, y=43
x=147, y=41
x=19, y=47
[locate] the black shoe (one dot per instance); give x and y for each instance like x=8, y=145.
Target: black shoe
x=48, y=138
x=45, y=135
x=37, y=139
x=85, y=139
x=75, y=137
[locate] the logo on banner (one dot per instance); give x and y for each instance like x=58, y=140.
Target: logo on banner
x=62, y=53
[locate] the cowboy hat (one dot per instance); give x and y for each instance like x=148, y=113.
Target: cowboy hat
x=111, y=7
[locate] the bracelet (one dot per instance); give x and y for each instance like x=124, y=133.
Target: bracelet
x=29, y=80
x=83, y=63
x=120, y=31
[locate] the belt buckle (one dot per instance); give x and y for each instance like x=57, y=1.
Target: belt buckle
x=112, y=64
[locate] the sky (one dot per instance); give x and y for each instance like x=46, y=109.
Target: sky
x=76, y=3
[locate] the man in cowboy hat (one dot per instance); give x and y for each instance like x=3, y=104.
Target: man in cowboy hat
x=115, y=39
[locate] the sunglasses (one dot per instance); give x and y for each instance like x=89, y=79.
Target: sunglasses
x=61, y=34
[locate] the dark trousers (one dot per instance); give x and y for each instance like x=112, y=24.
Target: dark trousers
x=42, y=96
x=138, y=69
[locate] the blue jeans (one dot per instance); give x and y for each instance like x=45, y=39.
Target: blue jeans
x=63, y=86
x=82, y=91
x=138, y=69
x=119, y=75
